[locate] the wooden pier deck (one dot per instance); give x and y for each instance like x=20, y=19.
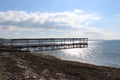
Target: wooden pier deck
x=44, y=44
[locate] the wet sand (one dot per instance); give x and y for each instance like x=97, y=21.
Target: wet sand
x=28, y=66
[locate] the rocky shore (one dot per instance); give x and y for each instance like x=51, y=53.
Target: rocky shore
x=28, y=66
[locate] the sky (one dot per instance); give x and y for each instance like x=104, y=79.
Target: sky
x=94, y=19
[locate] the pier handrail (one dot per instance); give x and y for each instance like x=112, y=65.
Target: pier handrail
x=48, y=43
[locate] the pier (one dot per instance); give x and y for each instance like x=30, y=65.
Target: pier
x=45, y=44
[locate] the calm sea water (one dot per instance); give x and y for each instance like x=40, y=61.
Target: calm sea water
x=105, y=53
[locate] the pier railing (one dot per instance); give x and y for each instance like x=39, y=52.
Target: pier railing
x=44, y=44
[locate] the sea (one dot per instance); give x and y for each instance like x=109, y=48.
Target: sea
x=99, y=52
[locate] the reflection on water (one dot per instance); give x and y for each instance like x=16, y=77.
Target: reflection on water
x=105, y=53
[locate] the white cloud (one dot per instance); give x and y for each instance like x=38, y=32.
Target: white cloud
x=77, y=21
x=71, y=19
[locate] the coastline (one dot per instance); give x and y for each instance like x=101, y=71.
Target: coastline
x=30, y=66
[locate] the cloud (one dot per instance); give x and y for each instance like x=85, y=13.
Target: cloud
x=68, y=23
x=69, y=19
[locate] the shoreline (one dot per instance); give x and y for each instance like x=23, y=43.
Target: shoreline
x=31, y=66
x=99, y=64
